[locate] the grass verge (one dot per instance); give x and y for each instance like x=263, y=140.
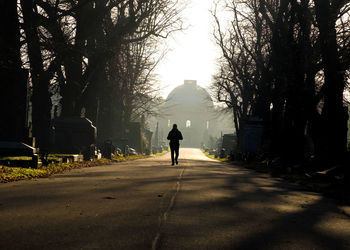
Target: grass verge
x=215, y=158
x=160, y=154
x=9, y=174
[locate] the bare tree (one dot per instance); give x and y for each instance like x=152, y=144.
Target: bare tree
x=126, y=22
x=334, y=116
x=72, y=46
x=40, y=77
x=241, y=80
x=134, y=88
x=298, y=42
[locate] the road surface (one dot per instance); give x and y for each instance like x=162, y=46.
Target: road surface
x=148, y=204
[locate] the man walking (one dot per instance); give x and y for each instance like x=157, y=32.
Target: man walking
x=174, y=136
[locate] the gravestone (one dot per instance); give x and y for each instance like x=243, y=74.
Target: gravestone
x=251, y=135
x=148, y=138
x=73, y=135
x=11, y=148
x=229, y=142
x=134, y=136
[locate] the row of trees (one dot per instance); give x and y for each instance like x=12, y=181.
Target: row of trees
x=96, y=55
x=287, y=62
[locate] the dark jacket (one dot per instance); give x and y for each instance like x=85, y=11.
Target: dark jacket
x=174, y=136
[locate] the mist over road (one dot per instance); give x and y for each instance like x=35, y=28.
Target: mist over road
x=148, y=204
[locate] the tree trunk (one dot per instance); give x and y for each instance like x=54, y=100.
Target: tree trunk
x=334, y=118
x=40, y=98
x=13, y=87
x=72, y=90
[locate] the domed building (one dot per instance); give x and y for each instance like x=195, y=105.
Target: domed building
x=192, y=109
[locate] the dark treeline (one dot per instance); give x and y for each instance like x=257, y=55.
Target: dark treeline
x=287, y=62
x=94, y=55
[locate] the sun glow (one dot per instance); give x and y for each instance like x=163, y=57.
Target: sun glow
x=192, y=52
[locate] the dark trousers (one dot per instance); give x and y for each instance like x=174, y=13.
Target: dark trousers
x=174, y=149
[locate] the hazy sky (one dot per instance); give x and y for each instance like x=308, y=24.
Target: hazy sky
x=192, y=52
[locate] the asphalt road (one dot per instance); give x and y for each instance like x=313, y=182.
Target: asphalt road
x=148, y=204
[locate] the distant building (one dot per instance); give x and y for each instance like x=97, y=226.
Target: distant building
x=192, y=109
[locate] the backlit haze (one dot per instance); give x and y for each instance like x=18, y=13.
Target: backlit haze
x=192, y=52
